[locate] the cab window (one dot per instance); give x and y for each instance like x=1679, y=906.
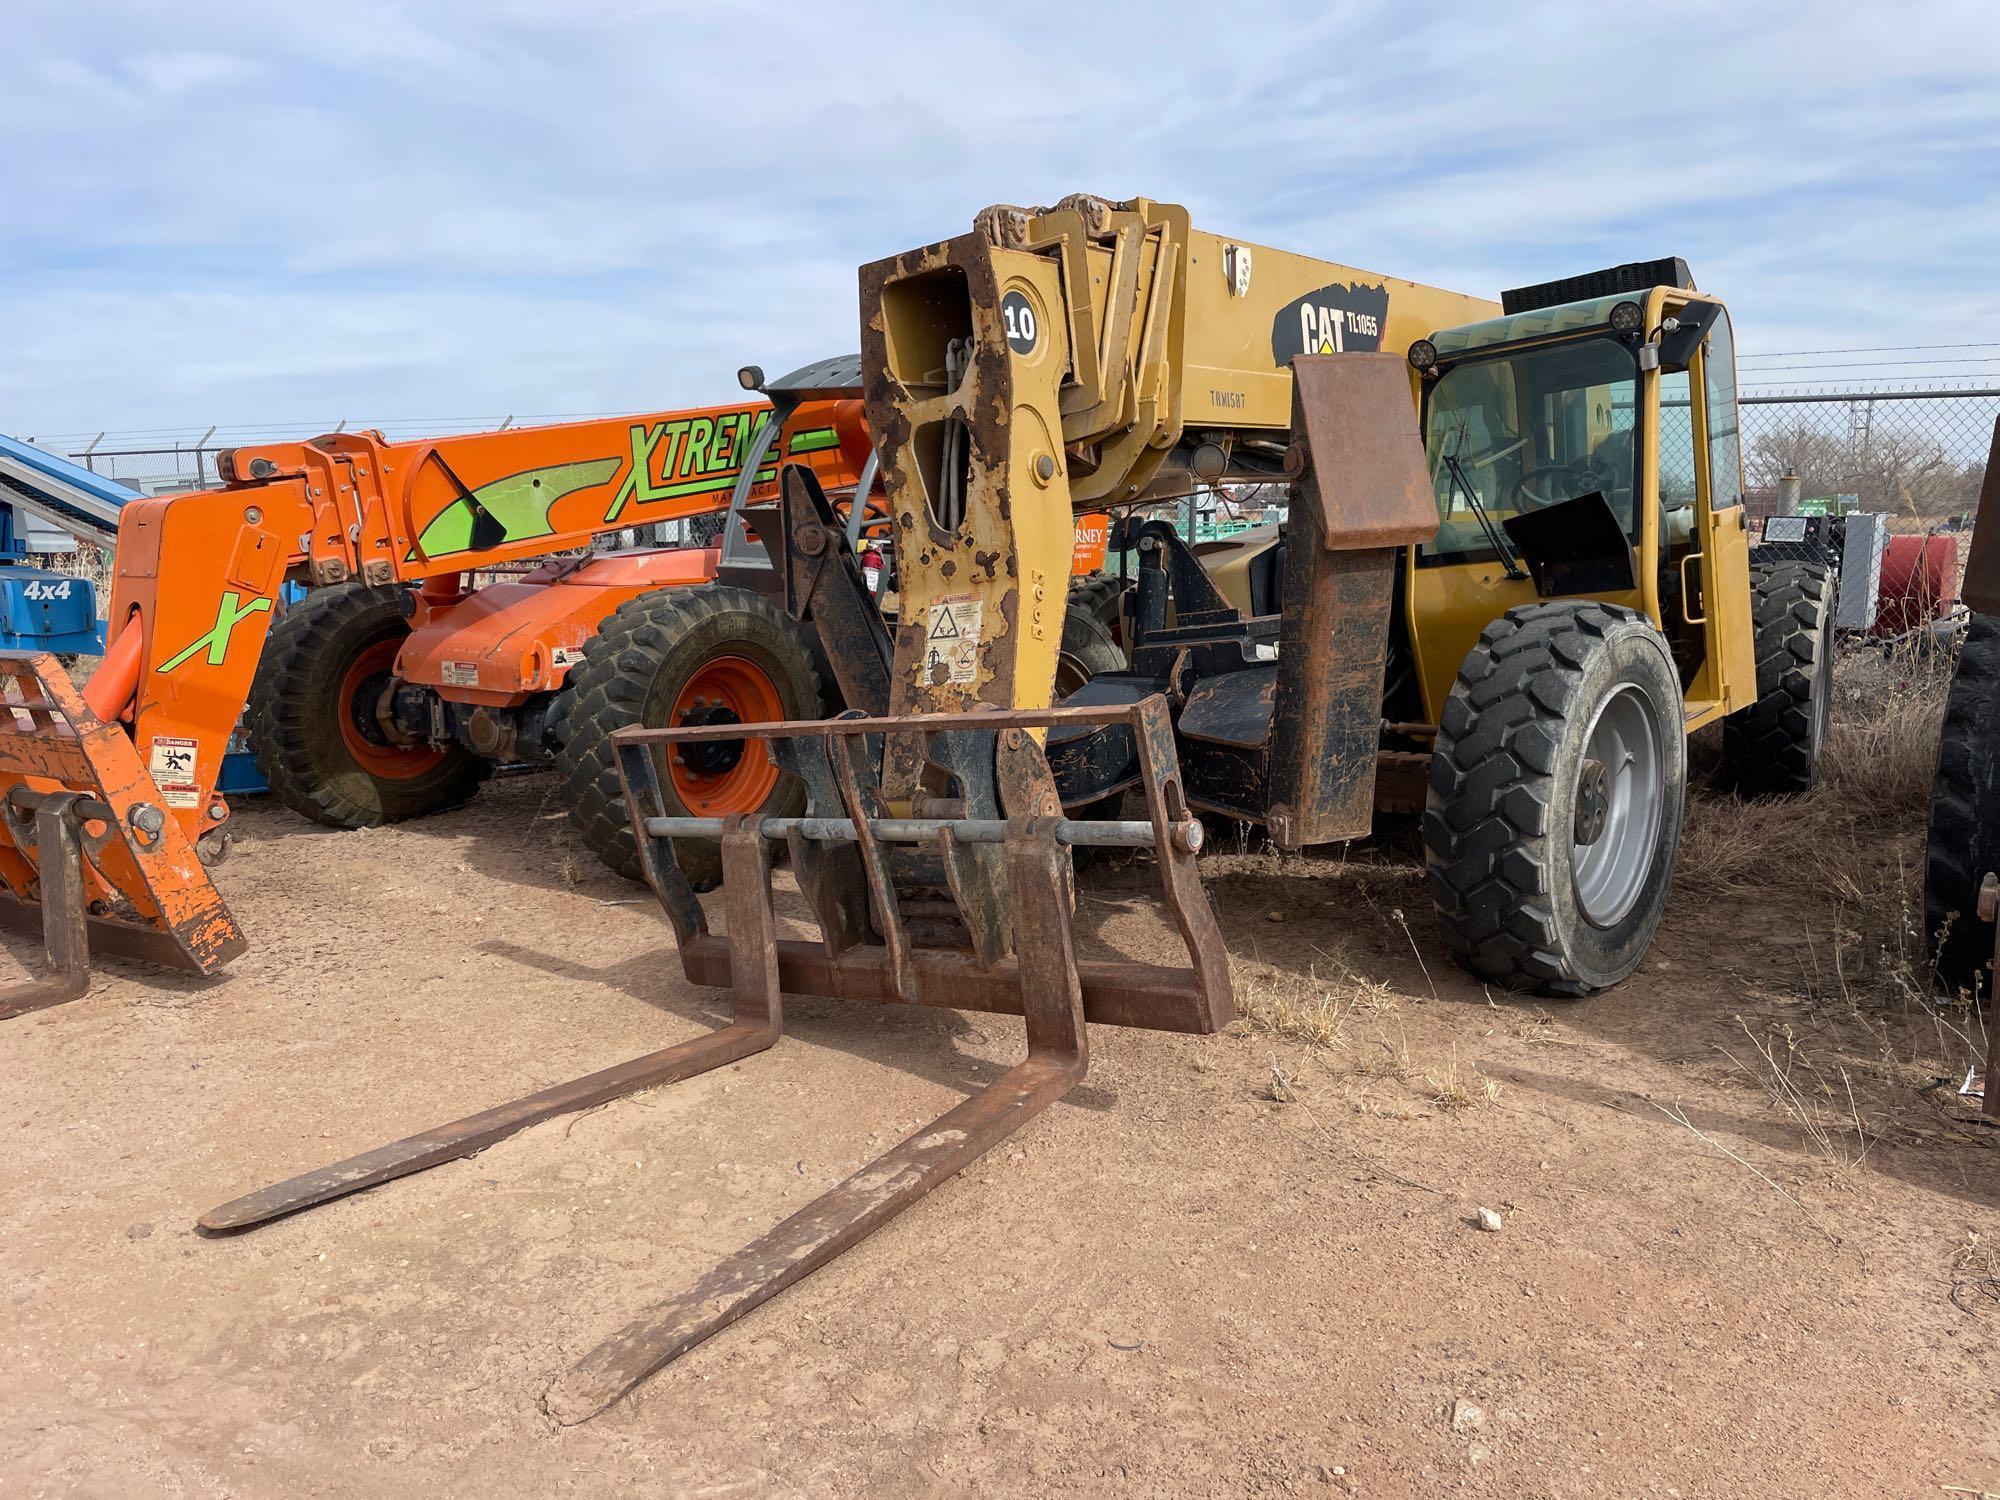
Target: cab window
x=1725, y=453
x=1528, y=430
x=1677, y=467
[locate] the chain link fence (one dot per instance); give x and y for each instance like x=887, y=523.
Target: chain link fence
x=1918, y=457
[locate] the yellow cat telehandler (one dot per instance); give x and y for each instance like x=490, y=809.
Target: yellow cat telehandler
x=1513, y=578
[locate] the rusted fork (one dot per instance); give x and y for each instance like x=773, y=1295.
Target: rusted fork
x=754, y=1028
x=1058, y=1055
x=1021, y=961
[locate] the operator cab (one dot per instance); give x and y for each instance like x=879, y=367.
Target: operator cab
x=1586, y=446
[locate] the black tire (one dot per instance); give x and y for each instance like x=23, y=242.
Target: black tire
x=304, y=737
x=635, y=669
x=1101, y=596
x=1502, y=811
x=1772, y=748
x=1087, y=649
x=1965, y=815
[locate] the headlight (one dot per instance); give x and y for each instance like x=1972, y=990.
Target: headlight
x=1627, y=317
x=1423, y=355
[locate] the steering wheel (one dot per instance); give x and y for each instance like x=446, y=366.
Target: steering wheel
x=1588, y=473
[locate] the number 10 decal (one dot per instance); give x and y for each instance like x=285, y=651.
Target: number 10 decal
x=1019, y=318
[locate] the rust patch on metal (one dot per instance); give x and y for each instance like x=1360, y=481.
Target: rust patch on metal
x=1348, y=520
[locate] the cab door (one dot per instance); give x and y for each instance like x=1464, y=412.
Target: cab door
x=1731, y=668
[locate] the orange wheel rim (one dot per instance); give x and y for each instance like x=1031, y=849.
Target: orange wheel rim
x=716, y=777
x=364, y=679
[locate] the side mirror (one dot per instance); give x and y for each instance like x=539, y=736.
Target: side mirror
x=1682, y=334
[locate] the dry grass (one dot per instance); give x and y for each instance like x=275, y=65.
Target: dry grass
x=1840, y=873
x=1827, y=1115
x=1395, y=1061
x=1975, y=1256
x=1875, y=783
x=93, y=563
x=1843, y=863
x=1974, y=1278
x=1455, y=1087
x=1283, y=1087
x=1310, y=1008
x=1678, y=1114
x=1886, y=712
x=1540, y=1029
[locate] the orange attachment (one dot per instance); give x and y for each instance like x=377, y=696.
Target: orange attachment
x=145, y=890
x=109, y=691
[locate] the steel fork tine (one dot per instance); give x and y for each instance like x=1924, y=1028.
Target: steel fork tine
x=845, y=1215
x=758, y=1021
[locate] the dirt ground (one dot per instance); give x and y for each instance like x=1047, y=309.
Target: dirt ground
x=1246, y=1264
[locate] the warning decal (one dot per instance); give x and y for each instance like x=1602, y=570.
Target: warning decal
x=951, y=644
x=172, y=763
x=459, y=673
x=564, y=656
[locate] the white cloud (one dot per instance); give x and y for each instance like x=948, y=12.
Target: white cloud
x=246, y=211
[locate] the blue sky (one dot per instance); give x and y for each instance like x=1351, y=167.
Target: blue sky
x=290, y=214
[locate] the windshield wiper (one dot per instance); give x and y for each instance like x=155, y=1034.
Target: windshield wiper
x=1463, y=486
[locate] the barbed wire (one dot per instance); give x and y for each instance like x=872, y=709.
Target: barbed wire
x=1867, y=349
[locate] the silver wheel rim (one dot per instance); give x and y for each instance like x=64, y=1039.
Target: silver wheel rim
x=1611, y=870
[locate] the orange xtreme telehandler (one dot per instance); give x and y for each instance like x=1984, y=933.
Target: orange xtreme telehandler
x=399, y=681
x=403, y=678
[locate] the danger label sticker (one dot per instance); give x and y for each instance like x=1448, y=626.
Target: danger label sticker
x=172, y=763
x=564, y=656
x=951, y=643
x=459, y=673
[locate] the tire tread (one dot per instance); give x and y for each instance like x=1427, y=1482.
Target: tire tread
x=286, y=717
x=1767, y=748
x=1489, y=802
x=608, y=689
